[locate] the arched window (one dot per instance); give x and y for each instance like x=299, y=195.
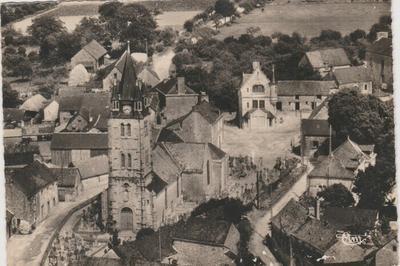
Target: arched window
x=258, y=89
x=128, y=129
x=122, y=160
x=122, y=130
x=129, y=160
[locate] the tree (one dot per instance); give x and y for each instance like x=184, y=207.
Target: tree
x=44, y=26
x=68, y=45
x=188, y=25
x=224, y=7
x=109, y=9
x=23, y=68
x=10, y=96
x=92, y=29
x=337, y=195
x=357, y=35
x=384, y=24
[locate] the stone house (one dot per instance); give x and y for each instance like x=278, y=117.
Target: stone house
x=71, y=147
x=326, y=60
x=203, y=124
x=50, y=112
x=69, y=106
x=31, y=192
x=91, y=56
x=341, y=166
x=94, y=171
x=314, y=133
x=379, y=59
x=356, y=77
x=217, y=238
x=302, y=95
x=69, y=182
x=176, y=99
x=257, y=99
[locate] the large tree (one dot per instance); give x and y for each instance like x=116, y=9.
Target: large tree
x=10, y=96
x=337, y=195
x=44, y=26
x=225, y=8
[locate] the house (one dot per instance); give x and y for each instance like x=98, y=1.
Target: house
x=217, y=238
x=94, y=171
x=325, y=60
x=314, y=133
x=33, y=105
x=69, y=182
x=50, y=112
x=388, y=254
x=78, y=76
x=31, y=192
x=204, y=169
x=176, y=99
x=379, y=59
x=351, y=218
x=71, y=147
x=203, y=123
x=257, y=99
x=358, y=77
x=341, y=166
x=148, y=76
x=302, y=95
x=19, y=155
x=69, y=106
x=91, y=56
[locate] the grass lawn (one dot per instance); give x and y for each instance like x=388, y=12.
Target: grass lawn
x=309, y=19
x=268, y=144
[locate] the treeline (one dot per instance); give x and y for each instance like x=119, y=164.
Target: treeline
x=14, y=11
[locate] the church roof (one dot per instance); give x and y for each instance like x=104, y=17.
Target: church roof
x=127, y=87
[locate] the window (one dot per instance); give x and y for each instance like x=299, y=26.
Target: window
x=319, y=97
x=262, y=104
x=255, y=104
x=279, y=106
x=258, y=89
x=122, y=160
x=122, y=130
x=365, y=87
x=208, y=173
x=54, y=201
x=296, y=97
x=248, y=105
x=129, y=160
x=128, y=129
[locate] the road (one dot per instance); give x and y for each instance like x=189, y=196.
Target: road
x=29, y=249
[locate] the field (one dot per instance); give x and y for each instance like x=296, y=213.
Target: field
x=309, y=19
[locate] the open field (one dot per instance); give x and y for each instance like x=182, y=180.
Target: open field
x=309, y=19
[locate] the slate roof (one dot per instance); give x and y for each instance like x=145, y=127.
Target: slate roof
x=66, y=177
x=344, y=218
x=208, y=111
x=354, y=74
x=79, y=141
x=95, y=108
x=331, y=167
x=169, y=86
x=94, y=166
x=382, y=46
x=328, y=57
x=387, y=255
x=13, y=114
x=32, y=178
x=291, y=217
x=304, y=87
x=315, y=127
x=203, y=230
x=95, y=49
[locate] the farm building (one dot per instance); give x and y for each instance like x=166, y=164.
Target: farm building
x=91, y=56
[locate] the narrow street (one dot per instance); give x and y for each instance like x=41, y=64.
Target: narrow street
x=29, y=249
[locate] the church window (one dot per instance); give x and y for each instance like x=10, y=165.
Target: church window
x=122, y=160
x=122, y=130
x=255, y=104
x=129, y=160
x=258, y=89
x=262, y=104
x=208, y=173
x=126, y=192
x=128, y=129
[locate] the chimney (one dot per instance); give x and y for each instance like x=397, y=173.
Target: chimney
x=317, y=210
x=256, y=65
x=382, y=34
x=203, y=97
x=181, y=85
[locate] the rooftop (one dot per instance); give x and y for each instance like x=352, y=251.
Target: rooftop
x=95, y=49
x=328, y=57
x=315, y=127
x=345, y=218
x=94, y=166
x=382, y=46
x=291, y=217
x=304, y=87
x=352, y=75
x=331, y=167
x=66, y=177
x=170, y=86
x=79, y=141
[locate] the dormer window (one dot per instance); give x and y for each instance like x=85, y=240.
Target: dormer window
x=258, y=89
x=138, y=106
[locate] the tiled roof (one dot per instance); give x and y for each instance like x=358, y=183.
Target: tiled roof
x=291, y=217
x=341, y=253
x=352, y=75
x=164, y=165
x=32, y=178
x=315, y=127
x=66, y=177
x=350, y=154
x=328, y=57
x=70, y=103
x=79, y=141
x=304, y=87
x=331, y=167
x=190, y=156
x=94, y=166
x=169, y=86
x=382, y=46
x=345, y=218
x=35, y=103
x=95, y=49
x=208, y=111
x=203, y=230
x=13, y=114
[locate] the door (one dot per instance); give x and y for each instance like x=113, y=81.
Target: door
x=297, y=106
x=313, y=105
x=126, y=219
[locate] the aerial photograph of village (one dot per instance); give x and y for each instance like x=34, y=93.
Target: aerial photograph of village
x=198, y=132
